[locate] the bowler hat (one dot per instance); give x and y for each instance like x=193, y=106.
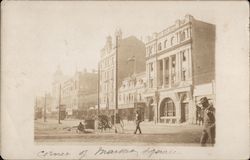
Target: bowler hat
x=203, y=99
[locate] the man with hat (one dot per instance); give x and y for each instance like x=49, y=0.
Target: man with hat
x=138, y=120
x=208, y=132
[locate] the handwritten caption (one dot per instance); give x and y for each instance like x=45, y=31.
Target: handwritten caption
x=102, y=151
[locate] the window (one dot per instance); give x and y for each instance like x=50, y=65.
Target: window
x=183, y=56
x=151, y=67
x=182, y=36
x=165, y=43
x=159, y=46
x=167, y=108
x=170, y=108
x=183, y=74
x=151, y=83
x=149, y=50
x=172, y=41
x=173, y=68
x=161, y=64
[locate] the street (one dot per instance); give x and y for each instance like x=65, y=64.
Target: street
x=152, y=134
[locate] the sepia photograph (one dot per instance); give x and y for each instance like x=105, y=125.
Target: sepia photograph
x=161, y=87
x=124, y=79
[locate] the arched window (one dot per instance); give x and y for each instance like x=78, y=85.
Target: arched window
x=165, y=43
x=172, y=41
x=182, y=36
x=167, y=108
x=159, y=46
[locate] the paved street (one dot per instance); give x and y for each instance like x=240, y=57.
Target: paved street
x=183, y=134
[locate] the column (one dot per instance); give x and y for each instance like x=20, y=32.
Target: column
x=170, y=71
x=163, y=72
x=158, y=74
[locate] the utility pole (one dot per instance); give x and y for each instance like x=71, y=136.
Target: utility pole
x=98, y=90
x=59, y=106
x=36, y=109
x=44, y=111
x=116, y=81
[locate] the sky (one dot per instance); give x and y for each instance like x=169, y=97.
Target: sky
x=40, y=36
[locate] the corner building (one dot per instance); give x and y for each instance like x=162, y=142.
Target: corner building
x=180, y=68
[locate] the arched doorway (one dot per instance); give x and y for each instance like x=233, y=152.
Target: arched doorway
x=167, y=108
x=184, y=108
x=150, y=110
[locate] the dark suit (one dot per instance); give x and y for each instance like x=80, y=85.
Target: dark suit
x=137, y=121
x=208, y=133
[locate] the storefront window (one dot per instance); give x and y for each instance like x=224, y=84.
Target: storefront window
x=167, y=108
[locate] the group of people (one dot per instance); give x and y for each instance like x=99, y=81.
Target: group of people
x=116, y=121
x=208, y=120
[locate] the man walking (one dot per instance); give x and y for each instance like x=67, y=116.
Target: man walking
x=137, y=121
x=208, y=132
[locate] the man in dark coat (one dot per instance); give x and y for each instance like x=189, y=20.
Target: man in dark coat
x=208, y=133
x=81, y=127
x=138, y=121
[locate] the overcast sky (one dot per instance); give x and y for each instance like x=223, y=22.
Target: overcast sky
x=39, y=36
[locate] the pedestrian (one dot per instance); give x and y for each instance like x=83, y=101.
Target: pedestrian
x=137, y=121
x=81, y=127
x=208, y=132
x=119, y=124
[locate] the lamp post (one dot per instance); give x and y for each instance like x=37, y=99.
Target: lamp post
x=59, y=106
x=44, y=110
x=98, y=90
x=116, y=81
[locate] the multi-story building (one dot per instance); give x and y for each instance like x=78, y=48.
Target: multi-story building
x=79, y=93
x=126, y=48
x=131, y=96
x=58, y=79
x=180, y=67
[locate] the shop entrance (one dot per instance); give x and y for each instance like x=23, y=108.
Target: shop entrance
x=184, y=112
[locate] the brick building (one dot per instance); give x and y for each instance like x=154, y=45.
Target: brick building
x=128, y=48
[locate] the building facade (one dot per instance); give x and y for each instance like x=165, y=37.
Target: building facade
x=79, y=93
x=131, y=60
x=180, y=68
x=131, y=96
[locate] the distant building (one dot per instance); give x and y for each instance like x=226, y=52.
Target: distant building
x=58, y=79
x=180, y=68
x=42, y=103
x=79, y=93
x=131, y=59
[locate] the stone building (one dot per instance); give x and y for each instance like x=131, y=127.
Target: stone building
x=79, y=93
x=128, y=48
x=180, y=68
x=131, y=96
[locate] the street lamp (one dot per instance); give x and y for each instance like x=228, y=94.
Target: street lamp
x=59, y=105
x=98, y=90
x=116, y=81
x=44, y=110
